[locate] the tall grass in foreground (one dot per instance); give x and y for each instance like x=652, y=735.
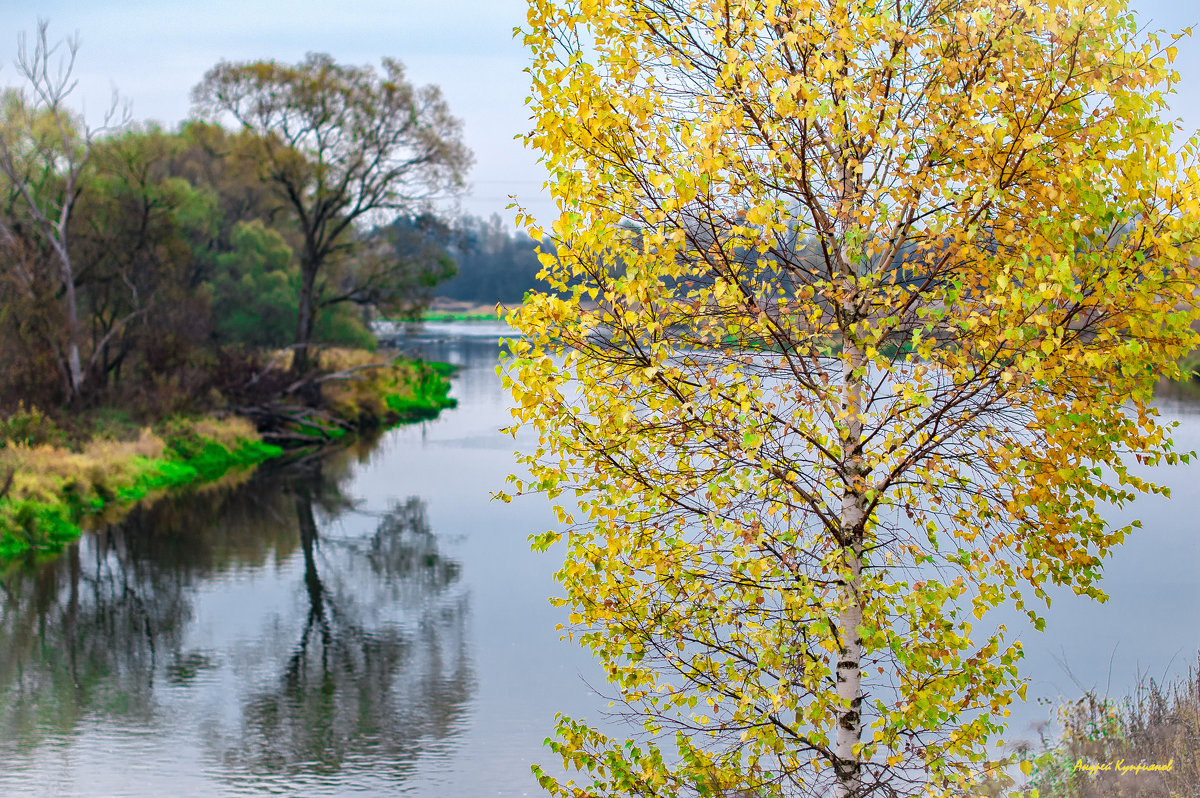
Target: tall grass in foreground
x=1101, y=742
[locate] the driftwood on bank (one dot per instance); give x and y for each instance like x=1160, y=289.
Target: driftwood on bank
x=311, y=379
x=283, y=423
x=290, y=414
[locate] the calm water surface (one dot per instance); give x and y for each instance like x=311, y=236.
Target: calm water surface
x=370, y=623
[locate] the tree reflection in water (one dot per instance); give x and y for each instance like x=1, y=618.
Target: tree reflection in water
x=378, y=668
x=354, y=687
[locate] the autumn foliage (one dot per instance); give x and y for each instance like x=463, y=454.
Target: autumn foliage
x=853, y=320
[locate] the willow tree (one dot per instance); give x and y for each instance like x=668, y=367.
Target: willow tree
x=854, y=317
x=340, y=145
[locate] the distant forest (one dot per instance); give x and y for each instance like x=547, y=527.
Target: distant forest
x=492, y=262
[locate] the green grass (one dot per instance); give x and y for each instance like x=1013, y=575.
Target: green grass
x=427, y=396
x=442, y=316
x=52, y=485
x=44, y=522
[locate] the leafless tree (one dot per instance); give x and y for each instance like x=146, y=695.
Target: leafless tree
x=45, y=150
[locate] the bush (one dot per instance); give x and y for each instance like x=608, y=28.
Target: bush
x=30, y=427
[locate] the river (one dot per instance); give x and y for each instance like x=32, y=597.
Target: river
x=372, y=623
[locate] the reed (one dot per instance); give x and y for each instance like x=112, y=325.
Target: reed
x=1146, y=745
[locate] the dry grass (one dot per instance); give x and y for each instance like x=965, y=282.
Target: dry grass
x=48, y=491
x=229, y=431
x=1101, y=743
x=43, y=472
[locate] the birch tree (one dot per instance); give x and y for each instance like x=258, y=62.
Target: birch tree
x=850, y=338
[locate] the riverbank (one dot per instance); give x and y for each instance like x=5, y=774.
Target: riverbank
x=55, y=483
x=442, y=309
x=491, y=315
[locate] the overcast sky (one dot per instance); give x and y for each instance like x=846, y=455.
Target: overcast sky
x=154, y=51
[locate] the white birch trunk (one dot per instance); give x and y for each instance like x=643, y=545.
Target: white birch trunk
x=848, y=734
x=853, y=520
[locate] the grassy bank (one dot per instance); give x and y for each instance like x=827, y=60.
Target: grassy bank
x=55, y=482
x=50, y=492
x=460, y=316
x=378, y=393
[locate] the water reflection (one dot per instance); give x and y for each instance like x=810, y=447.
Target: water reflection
x=351, y=686
x=286, y=632
x=312, y=633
